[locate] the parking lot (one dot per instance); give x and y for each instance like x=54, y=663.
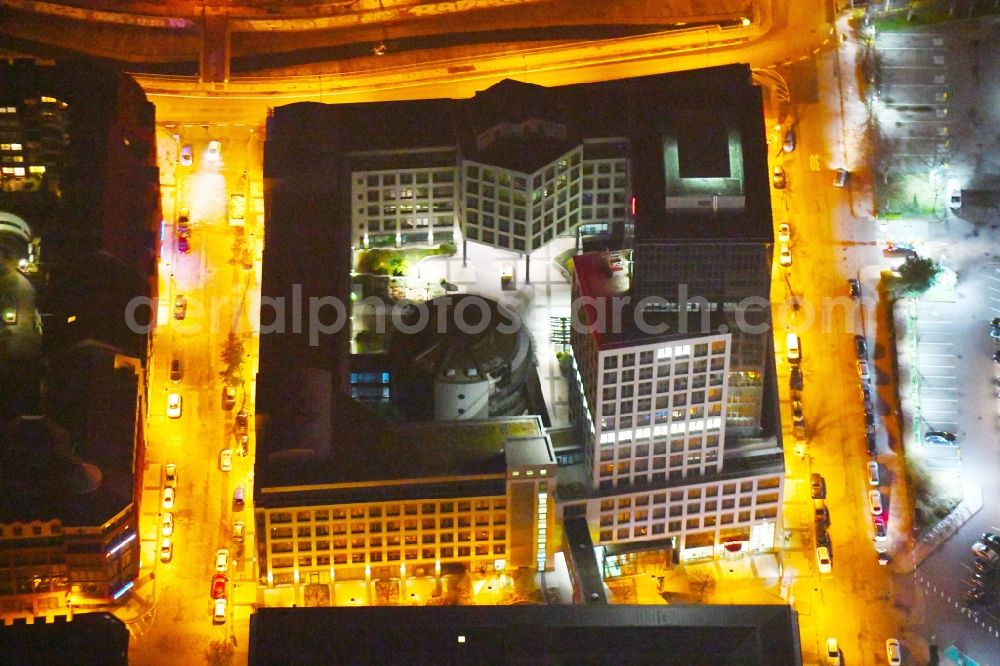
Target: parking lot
x=993, y=289
x=936, y=365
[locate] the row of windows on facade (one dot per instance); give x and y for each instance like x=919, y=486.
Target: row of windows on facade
x=281, y=540
x=425, y=555
x=648, y=356
x=641, y=514
x=413, y=177
x=687, y=381
x=696, y=372
x=629, y=468
x=643, y=450
x=377, y=526
x=677, y=528
x=681, y=418
x=379, y=510
x=600, y=190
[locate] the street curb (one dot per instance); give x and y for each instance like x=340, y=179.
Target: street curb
x=925, y=547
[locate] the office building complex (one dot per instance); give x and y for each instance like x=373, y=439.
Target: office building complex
x=678, y=445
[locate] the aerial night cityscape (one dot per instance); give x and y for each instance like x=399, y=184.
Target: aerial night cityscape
x=500, y=331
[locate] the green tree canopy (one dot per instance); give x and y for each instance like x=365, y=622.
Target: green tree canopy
x=232, y=360
x=917, y=275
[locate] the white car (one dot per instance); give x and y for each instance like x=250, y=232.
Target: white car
x=222, y=560
x=864, y=372
x=875, y=502
x=954, y=194
x=873, y=473
x=823, y=559
x=166, y=550
x=219, y=612
x=785, y=256
x=167, y=526
x=168, y=498
x=174, y=403
x=832, y=652
x=784, y=233
x=214, y=151
x=893, y=652
x=226, y=460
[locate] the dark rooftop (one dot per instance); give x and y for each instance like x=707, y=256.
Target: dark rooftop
x=543, y=634
x=90, y=638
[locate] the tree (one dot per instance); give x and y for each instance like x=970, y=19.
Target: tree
x=232, y=360
x=917, y=275
x=219, y=653
x=703, y=584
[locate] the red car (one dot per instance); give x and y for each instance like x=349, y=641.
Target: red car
x=219, y=586
x=183, y=246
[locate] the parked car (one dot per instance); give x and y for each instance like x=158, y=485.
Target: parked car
x=892, y=249
x=219, y=586
x=226, y=460
x=168, y=498
x=222, y=560
x=183, y=246
x=939, y=437
x=870, y=442
x=866, y=396
x=795, y=379
x=875, y=502
x=822, y=516
x=214, y=151
x=171, y=475
x=167, y=524
x=244, y=444
x=785, y=256
x=180, y=306
x=954, y=194
x=840, y=177
x=237, y=208
x=860, y=346
x=991, y=540
x=984, y=565
x=881, y=533
x=996, y=357
x=832, y=652
x=872, y=468
x=242, y=421
x=778, y=178
x=174, y=405
x=187, y=155
x=883, y=558
x=228, y=397
x=183, y=227
x=798, y=418
x=984, y=552
x=793, y=351
x=176, y=370
x=817, y=486
x=166, y=550
x=219, y=612
x=823, y=560
x=789, y=144
x=893, y=652
x=238, y=499
x=854, y=288
x=864, y=372
x=784, y=233
x=238, y=531
x=981, y=595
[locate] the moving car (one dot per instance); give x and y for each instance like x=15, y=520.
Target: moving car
x=785, y=256
x=864, y=372
x=823, y=559
x=789, y=144
x=176, y=370
x=219, y=586
x=214, y=151
x=939, y=437
x=167, y=524
x=854, y=288
x=226, y=460
x=171, y=474
x=219, y=612
x=222, y=560
x=174, y=405
x=875, y=502
x=166, y=550
x=180, y=306
x=187, y=155
x=840, y=177
x=778, y=178
x=168, y=498
x=893, y=652
x=784, y=233
x=832, y=652
x=872, y=467
x=860, y=346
